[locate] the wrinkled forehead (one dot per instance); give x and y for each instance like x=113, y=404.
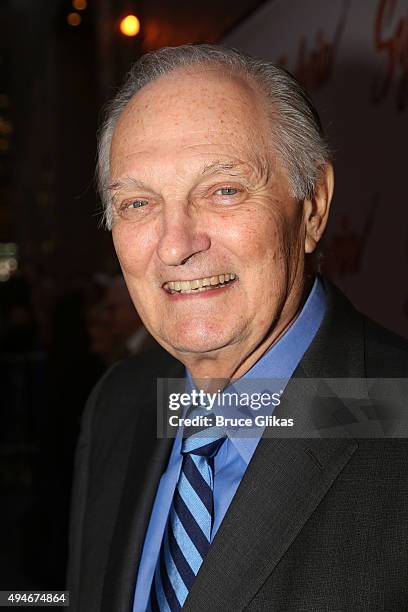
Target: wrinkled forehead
x=189, y=106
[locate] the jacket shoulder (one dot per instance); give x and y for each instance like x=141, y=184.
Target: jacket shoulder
x=127, y=386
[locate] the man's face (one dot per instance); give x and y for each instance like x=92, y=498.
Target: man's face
x=200, y=196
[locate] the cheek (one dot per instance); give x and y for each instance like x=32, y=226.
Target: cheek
x=281, y=237
x=245, y=232
x=259, y=240
x=266, y=246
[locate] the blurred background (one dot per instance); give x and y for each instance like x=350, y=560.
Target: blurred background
x=65, y=314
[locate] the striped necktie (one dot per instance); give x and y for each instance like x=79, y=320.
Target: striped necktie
x=187, y=535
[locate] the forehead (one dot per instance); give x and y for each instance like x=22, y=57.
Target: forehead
x=197, y=112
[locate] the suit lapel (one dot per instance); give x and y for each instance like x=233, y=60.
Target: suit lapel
x=285, y=481
x=282, y=486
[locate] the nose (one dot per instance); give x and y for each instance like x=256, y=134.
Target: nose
x=181, y=238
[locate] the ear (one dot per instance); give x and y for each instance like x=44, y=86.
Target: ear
x=316, y=210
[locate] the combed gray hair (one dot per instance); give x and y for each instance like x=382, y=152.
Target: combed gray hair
x=298, y=134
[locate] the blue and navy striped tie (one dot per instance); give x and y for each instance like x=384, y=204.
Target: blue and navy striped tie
x=187, y=535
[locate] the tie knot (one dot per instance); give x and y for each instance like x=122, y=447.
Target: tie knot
x=205, y=443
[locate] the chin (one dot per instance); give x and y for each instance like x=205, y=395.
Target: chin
x=197, y=339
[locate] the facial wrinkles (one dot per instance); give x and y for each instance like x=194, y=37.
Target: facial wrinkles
x=167, y=167
x=214, y=261
x=240, y=143
x=204, y=264
x=175, y=179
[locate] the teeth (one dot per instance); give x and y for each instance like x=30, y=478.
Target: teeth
x=199, y=284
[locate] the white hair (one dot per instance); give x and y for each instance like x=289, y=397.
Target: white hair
x=298, y=134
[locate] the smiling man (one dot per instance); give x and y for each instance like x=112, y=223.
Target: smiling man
x=217, y=182
x=200, y=195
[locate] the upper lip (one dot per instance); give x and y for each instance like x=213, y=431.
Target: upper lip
x=198, y=277
x=231, y=275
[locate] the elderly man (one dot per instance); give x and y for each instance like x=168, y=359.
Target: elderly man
x=217, y=184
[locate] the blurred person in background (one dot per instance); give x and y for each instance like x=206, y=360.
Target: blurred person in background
x=115, y=328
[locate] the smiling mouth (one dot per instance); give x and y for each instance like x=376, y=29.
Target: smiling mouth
x=200, y=284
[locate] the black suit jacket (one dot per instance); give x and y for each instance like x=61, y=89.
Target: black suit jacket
x=315, y=525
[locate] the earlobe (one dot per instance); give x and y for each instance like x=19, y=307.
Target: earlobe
x=310, y=244
x=316, y=210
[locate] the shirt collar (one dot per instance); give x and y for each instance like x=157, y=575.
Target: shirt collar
x=279, y=361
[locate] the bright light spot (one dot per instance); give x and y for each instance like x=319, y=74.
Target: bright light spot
x=130, y=25
x=74, y=19
x=79, y=5
x=8, y=260
x=7, y=268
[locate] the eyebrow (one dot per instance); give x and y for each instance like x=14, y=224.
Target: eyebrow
x=219, y=166
x=261, y=169
x=207, y=170
x=256, y=163
x=127, y=181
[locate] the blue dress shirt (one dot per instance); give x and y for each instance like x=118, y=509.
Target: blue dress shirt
x=231, y=461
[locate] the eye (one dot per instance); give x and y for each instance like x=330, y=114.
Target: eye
x=227, y=191
x=129, y=209
x=135, y=204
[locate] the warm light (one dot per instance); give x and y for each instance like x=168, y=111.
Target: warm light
x=74, y=19
x=79, y=5
x=130, y=25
